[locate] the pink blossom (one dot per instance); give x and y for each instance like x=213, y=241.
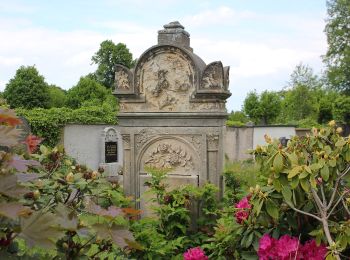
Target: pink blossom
x=196, y=253
x=266, y=247
x=243, y=212
x=286, y=247
x=243, y=204
x=311, y=251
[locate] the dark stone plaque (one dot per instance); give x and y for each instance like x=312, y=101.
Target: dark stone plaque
x=111, y=152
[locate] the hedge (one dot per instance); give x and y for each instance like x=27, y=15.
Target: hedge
x=48, y=123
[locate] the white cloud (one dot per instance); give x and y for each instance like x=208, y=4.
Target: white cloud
x=220, y=15
x=10, y=61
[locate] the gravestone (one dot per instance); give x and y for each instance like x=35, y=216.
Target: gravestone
x=111, y=155
x=172, y=114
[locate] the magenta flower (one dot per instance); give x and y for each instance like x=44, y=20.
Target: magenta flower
x=196, y=253
x=243, y=212
x=266, y=249
x=311, y=251
x=287, y=247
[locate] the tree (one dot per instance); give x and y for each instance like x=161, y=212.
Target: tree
x=264, y=108
x=300, y=97
x=57, y=96
x=342, y=109
x=107, y=57
x=337, y=57
x=27, y=89
x=87, y=92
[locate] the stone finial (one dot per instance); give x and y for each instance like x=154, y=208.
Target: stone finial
x=174, y=33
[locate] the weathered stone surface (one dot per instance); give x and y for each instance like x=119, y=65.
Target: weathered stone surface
x=172, y=114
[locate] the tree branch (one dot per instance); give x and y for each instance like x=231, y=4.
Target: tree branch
x=304, y=212
x=336, y=187
x=318, y=200
x=336, y=204
x=345, y=207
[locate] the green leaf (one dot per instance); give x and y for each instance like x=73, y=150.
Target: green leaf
x=294, y=182
x=305, y=184
x=332, y=163
x=278, y=162
x=40, y=229
x=340, y=143
x=347, y=155
x=296, y=170
x=277, y=185
x=325, y=173
x=293, y=158
x=303, y=175
x=287, y=194
x=272, y=209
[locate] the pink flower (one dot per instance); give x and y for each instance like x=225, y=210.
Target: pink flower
x=32, y=142
x=286, y=247
x=196, y=253
x=244, y=207
x=266, y=249
x=243, y=204
x=311, y=251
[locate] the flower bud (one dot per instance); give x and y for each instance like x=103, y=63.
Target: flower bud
x=339, y=130
x=36, y=194
x=331, y=123
x=70, y=177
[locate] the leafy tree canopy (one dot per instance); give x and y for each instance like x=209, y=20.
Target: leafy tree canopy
x=27, y=89
x=88, y=92
x=262, y=108
x=107, y=57
x=57, y=96
x=338, y=37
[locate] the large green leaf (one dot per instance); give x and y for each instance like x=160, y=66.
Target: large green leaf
x=287, y=194
x=325, y=173
x=40, y=229
x=278, y=162
x=293, y=172
x=272, y=209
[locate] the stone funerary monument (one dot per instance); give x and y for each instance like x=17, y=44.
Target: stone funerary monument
x=172, y=113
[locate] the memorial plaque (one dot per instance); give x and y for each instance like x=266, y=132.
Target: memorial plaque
x=111, y=152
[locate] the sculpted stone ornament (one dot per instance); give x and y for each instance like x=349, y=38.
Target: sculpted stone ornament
x=123, y=80
x=213, y=76
x=166, y=156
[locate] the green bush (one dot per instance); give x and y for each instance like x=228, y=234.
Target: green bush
x=48, y=123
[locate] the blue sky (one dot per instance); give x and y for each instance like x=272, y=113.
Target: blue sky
x=262, y=40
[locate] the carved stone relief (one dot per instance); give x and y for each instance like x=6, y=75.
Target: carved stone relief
x=166, y=80
x=171, y=153
x=213, y=76
x=213, y=141
x=144, y=136
x=167, y=156
x=122, y=79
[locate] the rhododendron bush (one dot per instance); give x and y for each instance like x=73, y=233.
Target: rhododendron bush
x=308, y=179
x=51, y=207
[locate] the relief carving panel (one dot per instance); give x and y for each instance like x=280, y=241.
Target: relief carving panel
x=172, y=154
x=166, y=80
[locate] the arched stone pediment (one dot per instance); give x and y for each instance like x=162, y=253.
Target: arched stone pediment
x=169, y=77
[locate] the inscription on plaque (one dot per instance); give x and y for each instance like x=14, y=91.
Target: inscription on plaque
x=111, y=152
